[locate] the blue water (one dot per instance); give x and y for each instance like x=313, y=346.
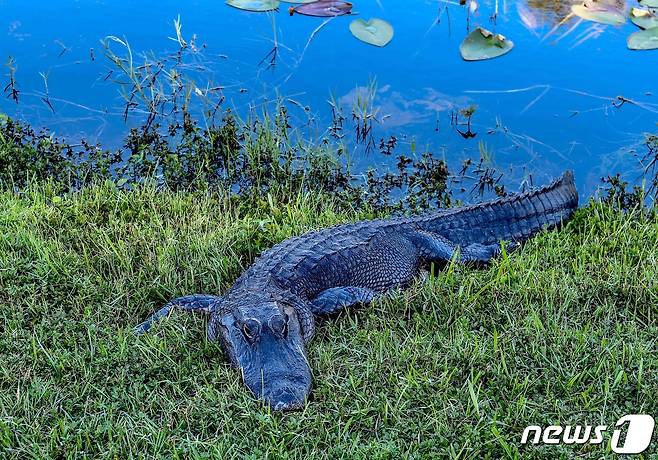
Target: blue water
x=544, y=107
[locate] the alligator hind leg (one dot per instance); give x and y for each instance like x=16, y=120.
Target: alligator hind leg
x=195, y=302
x=334, y=299
x=434, y=247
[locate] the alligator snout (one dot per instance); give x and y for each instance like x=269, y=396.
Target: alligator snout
x=286, y=399
x=287, y=392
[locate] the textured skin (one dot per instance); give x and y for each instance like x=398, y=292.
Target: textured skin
x=323, y=271
x=388, y=253
x=194, y=302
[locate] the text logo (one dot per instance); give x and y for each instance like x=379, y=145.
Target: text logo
x=638, y=430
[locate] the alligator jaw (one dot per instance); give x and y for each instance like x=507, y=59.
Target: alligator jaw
x=290, y=396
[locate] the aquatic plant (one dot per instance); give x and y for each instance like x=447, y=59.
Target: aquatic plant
x=643, y=39
x=11, y=89
x=365, y=113
x=644, y=19
x=374, y=31
x=649, y=162
x=482, y=44
x=619, y=194
x=161, y=87
x=254, y=5
x=466, y=112
x=248, y=160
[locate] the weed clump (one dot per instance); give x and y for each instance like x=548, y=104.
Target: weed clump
x=247, y=160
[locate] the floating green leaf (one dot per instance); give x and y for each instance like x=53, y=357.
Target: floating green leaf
x=643, y=39
x=644, y=18
x=483, y=44
x=254, y=5
x=375, y=31
x=649, y=3
x=599, y=12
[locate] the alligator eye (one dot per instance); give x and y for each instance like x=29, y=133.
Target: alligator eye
x=284, y=329
x=247, y=333
x=279, y=325
x=251, y=330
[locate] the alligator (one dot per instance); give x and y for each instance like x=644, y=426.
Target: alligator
x=267, y=317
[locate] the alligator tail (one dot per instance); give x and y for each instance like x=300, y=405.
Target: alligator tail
x=514, y=218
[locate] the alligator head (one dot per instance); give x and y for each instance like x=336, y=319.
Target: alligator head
x=264, y=339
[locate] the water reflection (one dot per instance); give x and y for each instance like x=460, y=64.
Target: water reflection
x=395, y=108
x=536, y=14
x=539, y=13
x=575, y=68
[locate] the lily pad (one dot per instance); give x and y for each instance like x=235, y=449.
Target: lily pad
x=599, y=12
x=644, y=18
x=643, y=39
x=322, y=8
x=374, y=31
x=483, y=44
x=649, y=3
x=254, y=5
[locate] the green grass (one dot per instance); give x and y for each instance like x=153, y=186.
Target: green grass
x=562, y=331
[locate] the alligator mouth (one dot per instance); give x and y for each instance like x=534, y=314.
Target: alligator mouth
x=286, y=393
x=285, y=400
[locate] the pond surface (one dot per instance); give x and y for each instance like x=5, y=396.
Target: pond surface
x=549, y=104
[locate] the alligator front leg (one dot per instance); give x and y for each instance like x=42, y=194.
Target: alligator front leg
x=195, y=302
x=434, y=247
x=334, y=299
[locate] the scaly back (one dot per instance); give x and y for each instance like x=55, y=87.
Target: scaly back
x=514, y=218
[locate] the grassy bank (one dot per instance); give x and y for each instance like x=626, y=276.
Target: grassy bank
x=562, y=331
